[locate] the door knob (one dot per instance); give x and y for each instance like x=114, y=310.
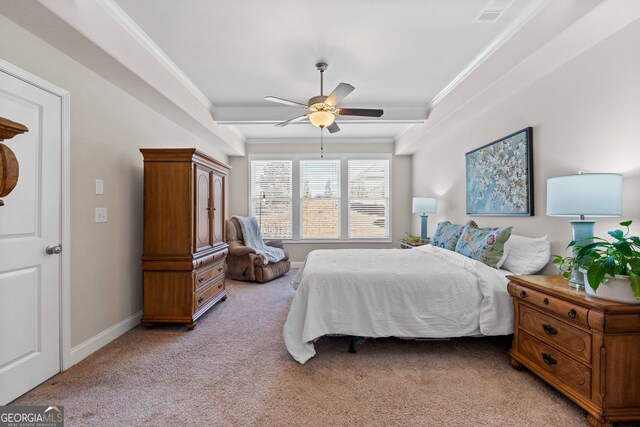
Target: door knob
x=54, y=250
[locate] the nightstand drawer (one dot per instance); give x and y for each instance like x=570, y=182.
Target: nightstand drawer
x=557, y=333
x=208, y=273
x=557, y=306
x=549, y=359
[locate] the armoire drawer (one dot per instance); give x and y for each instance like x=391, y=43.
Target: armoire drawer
x=548, y=358
x=203, y=295
x=207, y=273
x=557, y=333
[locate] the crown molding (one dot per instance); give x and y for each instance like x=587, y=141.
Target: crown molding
x=316, y=140
x=124, y=20
x=512, y=29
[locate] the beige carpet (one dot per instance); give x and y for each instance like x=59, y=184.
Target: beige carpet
x=234, y=370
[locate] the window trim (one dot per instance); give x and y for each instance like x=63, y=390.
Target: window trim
x=344, y=191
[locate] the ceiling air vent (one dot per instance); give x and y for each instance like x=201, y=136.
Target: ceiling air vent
x=492, y=11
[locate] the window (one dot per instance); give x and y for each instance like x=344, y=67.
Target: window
x=271, y=200
x=368, y=199
x=320, y=199
x=344, y=198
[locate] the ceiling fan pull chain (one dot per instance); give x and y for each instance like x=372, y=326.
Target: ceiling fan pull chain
x=321, y=145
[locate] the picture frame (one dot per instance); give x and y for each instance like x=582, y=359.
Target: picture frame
x=499, y=176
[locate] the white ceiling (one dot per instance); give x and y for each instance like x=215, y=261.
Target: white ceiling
x=398, y=54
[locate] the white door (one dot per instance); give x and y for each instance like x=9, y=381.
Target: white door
x=29, y=222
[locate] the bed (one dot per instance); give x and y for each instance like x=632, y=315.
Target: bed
x=426, y=292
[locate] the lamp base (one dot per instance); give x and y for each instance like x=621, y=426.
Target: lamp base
x=423, y=228
x=582, y=231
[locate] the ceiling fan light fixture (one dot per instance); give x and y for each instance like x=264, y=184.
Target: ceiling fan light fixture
x=322, y=119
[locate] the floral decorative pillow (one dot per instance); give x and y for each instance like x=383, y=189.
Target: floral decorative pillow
x=483, y=244
x=447, y=234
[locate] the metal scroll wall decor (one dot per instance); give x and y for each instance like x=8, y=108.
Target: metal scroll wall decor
x=9, y=169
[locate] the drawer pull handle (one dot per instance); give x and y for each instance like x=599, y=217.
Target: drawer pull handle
x=548, y=359
x=200, y=279
x=572, y=313
x=220, y=269
x=546, y=301
x=549, y=330
x=220, y=285
x=523, y=294
x=200, y=299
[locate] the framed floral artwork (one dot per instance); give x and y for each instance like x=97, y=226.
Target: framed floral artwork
x=500, y=176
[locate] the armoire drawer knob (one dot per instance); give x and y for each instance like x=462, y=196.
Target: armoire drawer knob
x=200, y=279
x=572, y=313
x=220, y=269
x=200, y=299
x=546, y=301
x=523, y=294
x=548, y=359
x=220, y=285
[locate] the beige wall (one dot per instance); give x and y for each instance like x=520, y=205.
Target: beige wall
x=108, y=126
x=400, y=193
x=585, y=116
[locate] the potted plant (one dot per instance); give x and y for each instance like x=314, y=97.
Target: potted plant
x=615, y=263
x=565, y=265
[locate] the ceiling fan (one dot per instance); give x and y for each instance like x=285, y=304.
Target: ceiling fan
x=322, y=110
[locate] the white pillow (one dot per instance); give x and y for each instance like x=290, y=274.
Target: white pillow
x=527, y=255
x=505, y=253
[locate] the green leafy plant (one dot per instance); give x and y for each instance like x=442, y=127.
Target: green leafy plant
x=604, y=258
x=411, y=238
x=565, y=265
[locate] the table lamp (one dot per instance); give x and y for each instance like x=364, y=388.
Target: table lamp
x=424, y=206
x=581, y=195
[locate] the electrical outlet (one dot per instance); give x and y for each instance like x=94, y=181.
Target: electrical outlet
x=101, y=214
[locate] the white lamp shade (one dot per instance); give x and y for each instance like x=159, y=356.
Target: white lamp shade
x=424, y=205
x=589, y=194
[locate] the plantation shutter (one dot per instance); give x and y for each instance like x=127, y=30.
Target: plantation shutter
x=368, y=199
x=320, y=199
x=271, y=200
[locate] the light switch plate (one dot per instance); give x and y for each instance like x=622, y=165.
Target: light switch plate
x=99, y=186
x=101, y=214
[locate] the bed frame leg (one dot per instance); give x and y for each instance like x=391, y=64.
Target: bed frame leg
x=352, y=343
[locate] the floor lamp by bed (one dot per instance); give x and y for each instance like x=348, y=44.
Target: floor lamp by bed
x=584, y=194
x=424, y=206
x=262, y=197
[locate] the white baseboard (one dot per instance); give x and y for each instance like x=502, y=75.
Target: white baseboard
x=296, y=264
x=96, y=342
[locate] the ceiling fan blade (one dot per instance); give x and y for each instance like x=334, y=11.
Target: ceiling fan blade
x=288, y=122
x=364, y=112
x=333, y=128
x=339, y=93
x=285, y=101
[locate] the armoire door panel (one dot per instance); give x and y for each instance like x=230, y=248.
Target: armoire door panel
x=203, y=235
x=218, y=205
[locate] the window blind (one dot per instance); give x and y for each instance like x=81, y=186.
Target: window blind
x=320, y=199
x=368, y=213
x=271, y=197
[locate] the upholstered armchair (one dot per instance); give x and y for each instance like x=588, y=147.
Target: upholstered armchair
x=244, y=264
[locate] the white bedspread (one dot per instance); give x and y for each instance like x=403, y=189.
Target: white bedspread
x=424, y=292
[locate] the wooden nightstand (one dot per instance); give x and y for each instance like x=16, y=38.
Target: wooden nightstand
x=587, y=348
x=407, y=245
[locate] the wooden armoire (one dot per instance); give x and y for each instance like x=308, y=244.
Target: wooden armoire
x=184, y=244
